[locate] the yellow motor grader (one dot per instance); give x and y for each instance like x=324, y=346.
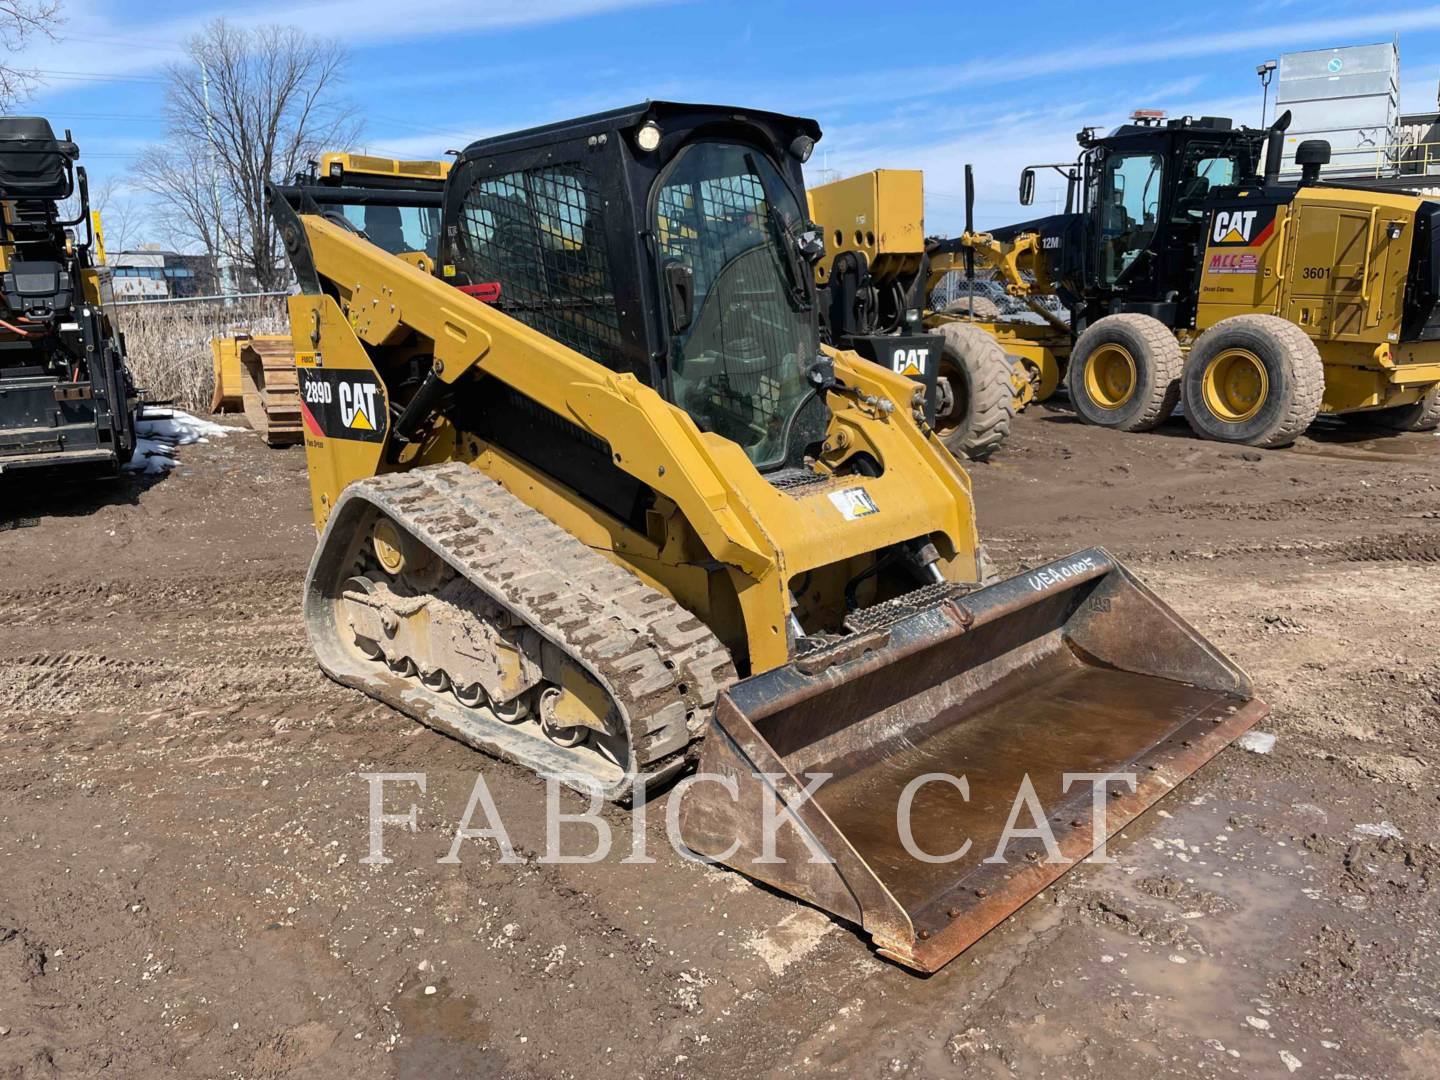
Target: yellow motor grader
x=594, y=498
x=1192, y=275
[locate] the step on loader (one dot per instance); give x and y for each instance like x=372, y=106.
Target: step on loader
x=593, y=498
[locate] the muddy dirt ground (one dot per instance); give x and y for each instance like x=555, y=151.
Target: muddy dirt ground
x=182, y=817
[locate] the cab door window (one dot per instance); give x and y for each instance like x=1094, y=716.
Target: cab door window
x=1127, y=209
x=1204, y=168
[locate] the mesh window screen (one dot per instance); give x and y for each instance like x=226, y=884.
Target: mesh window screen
x=541, y=234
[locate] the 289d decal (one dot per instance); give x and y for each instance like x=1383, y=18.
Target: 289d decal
x=343, y=405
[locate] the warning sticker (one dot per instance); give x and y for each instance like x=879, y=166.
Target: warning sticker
x=854, y=503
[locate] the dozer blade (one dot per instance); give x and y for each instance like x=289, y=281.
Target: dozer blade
x=1075, y=668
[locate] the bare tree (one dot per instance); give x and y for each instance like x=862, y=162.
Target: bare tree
x=188, y=208
x=248, y=105
x=117, y=214
x=21, y=21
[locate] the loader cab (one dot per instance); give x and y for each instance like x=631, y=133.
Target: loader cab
x=1147, y=189
x=663, y=240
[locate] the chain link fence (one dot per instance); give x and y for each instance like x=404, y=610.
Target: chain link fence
x=168, y=342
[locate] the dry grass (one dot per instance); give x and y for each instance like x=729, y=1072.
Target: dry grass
x=169, y=344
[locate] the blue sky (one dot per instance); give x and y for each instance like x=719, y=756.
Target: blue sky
x=903, y=85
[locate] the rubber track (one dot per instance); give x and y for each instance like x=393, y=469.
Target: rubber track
x=663, y=664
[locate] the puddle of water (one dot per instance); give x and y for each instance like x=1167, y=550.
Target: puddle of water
x=1392, y=448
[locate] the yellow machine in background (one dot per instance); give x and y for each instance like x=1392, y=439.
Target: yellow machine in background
x=874, y=279
x=595, y=499
x=1193, y=275
x=255, y=373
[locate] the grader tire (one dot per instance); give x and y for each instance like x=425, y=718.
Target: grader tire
x=1253, y=379
x=1125, y=373
x=1423, y=415
x=986, y=310
x=984, y=406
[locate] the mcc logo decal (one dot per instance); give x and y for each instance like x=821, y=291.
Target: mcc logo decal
x=343, y=405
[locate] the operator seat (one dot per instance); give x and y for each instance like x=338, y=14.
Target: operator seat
x=385, y=228
x=36, y=289
x=1192, y=199
x=33, y=163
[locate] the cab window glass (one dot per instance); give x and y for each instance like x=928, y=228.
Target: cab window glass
x=1128, y=205
x=1203, y=169
x=398, y=229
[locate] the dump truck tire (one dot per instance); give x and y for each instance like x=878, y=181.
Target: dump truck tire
x=986, y=310
x=1423, y=415
x=983, y=406
x=1125, y=373
x=1253, y=379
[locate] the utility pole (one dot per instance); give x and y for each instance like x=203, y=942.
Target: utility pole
x=214, y=179
x=1266, y=71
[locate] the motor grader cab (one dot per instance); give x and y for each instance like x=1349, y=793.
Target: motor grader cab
x=1137, y=214
x=594, y=498
x=1192, y=272
x=66, y=397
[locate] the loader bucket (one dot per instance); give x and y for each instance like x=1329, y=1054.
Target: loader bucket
x=1074, y=668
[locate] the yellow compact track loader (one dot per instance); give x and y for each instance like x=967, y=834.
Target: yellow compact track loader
x=593, y=498
x=1192, y=274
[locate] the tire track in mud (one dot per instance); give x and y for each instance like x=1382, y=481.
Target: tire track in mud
x=1419, y=548
x=166, y=642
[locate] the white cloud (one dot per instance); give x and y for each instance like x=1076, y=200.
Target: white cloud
x=1096, y=56
x=367, y=21
x=92, y=40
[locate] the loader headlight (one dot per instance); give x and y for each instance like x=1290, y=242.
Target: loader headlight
x=648, y=137
x=336, y=169
x=801, y=148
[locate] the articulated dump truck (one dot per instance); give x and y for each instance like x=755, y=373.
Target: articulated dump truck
x=593, y=498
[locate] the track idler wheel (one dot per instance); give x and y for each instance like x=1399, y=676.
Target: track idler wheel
x=559, y=735
x=472, y=696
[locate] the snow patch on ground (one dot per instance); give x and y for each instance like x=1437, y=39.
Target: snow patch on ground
x=1257, y=742
x=1382, y=830
x=790, y=939
x=159, y=432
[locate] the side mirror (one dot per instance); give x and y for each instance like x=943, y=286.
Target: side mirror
x=680, y=293
x=1027, y=187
